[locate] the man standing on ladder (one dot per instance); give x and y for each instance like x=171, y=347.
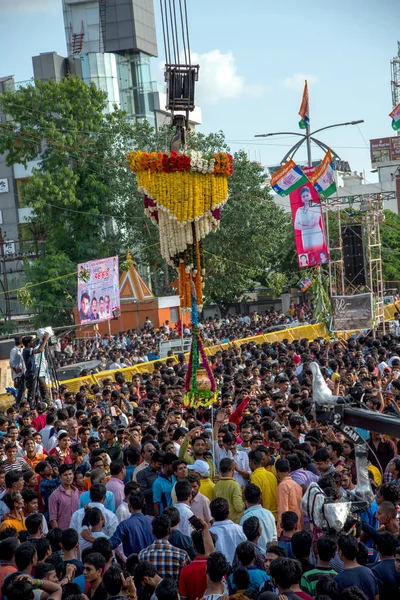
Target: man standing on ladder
x=28, y=354
x=17, y=365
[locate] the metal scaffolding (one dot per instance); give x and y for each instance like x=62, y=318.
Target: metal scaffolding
x=368, y=215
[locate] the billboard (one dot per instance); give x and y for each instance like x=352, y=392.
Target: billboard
x=385, y=149
x=98, y=289
x=350, y=313
x=309, y=234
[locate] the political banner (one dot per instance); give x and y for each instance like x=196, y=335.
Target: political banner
x=323, y=179
x=288, y=178
x=309, y=234
x=352, y=313
x=98, y=289
x=305, y=283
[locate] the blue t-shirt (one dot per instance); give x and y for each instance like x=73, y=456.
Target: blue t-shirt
x=109, y=503
x=388, y=579
x=286, y=543
x=81, y=581
x=129, y=473
x=162, y=488
x=257, y=580
x=360, y=577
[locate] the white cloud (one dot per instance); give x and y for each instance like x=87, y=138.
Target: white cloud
x=29, y=6
x=296, y=82
x=219, y=78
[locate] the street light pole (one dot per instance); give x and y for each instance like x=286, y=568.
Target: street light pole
x=309, y=159
x=308, y=137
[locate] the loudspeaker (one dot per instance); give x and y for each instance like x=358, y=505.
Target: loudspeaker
x=116, y=312
x=353, y=255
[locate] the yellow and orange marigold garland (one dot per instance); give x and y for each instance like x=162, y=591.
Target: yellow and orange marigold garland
x=183, y=195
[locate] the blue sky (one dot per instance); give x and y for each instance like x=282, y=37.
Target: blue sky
x=253, y=58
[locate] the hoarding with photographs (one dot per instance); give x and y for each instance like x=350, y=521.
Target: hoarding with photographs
x=352, y=313
x=309, y=234
x=385, y=149
x=98, y=289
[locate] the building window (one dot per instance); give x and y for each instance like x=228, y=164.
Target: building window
x=174, y=314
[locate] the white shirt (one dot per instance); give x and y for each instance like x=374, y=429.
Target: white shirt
x=240, y=458
x=84, y=544
x=45, y=433
x=229, y=536
x=267, y=523
x=185, y=513
x=142, y=466
x=110, y=520
x=52, y=443
x=123, y=512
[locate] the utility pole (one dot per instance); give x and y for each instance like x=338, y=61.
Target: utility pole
x=309, y=159
x=5, y=281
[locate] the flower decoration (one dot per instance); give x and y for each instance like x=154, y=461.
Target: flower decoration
x=183, y=196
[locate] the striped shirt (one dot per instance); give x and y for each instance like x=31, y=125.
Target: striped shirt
x=310, y=579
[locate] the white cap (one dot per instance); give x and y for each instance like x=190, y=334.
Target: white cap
x=201, y=467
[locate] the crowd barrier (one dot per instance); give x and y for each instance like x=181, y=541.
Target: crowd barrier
x=319, y=330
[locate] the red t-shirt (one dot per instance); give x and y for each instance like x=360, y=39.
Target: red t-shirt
x=193, y=579
x=39, y=422
x=6, y=569
x=303, y=595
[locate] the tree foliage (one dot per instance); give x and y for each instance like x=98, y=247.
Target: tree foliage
x=87, y=206
x=390, y=236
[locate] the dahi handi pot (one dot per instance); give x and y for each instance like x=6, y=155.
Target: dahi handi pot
x=202, y=380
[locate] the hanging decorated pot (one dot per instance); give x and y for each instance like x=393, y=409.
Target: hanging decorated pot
x=203, y=382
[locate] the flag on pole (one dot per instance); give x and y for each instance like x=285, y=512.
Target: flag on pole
x=304, y=111
x=323, y=178
x=395, y=114
x=288, y=178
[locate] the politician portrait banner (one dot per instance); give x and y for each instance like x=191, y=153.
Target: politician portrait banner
x=309, y=234
x=98, y=289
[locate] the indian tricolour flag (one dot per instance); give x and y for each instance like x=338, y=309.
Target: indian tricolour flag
x=395, y=114
x=288, y=178
x=304, y=111
x=323, y=179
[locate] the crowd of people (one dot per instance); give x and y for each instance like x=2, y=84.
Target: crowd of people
x=121, y=491
x=129, y=347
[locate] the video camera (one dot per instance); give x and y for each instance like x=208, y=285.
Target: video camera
x=52, y=337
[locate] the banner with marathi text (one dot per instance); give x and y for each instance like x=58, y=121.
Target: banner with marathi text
x=352, y=313
x=309, y=233
x=98, y=289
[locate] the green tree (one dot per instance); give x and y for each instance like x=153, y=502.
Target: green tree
x=390, y=236
x=87, y=205
x=81, y=189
